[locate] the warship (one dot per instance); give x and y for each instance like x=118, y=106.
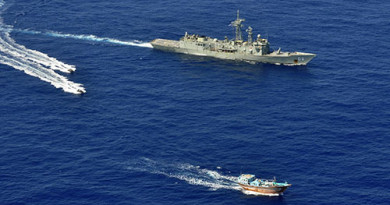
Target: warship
x=252, y=50
x=262, y=186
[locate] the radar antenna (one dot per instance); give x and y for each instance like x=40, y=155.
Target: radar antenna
x=238, y=24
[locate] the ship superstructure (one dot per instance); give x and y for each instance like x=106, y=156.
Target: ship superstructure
x=252, y=50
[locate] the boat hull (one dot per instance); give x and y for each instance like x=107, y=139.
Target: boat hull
x=272, y=190
x=295, y=58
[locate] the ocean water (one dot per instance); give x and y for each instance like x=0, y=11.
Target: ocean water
x=164, y=128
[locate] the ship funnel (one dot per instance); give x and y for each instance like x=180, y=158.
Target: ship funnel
x=249, y=31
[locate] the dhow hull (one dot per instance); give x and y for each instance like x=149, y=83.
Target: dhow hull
x=273, y=190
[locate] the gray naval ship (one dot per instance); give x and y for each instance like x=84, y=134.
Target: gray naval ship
x=252, y=50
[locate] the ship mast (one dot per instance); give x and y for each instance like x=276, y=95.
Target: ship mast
x=238, y=24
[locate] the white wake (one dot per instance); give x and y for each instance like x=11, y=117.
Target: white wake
x=86, y=38
x=35, y=63
x=186, y=172
x=191, y=174
x=42, y=66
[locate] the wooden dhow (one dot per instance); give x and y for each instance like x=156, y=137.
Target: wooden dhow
x=249, y=182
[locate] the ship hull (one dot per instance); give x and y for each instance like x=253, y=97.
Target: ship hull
x=296, y=58
x=274, y=190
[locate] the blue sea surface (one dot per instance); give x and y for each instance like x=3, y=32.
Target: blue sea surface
x=163, y=128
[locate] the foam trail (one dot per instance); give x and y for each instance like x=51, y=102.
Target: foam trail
x=9, y=45
x=86, y=37
x=47, y=75
x=189, y=173
x=33, y=62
